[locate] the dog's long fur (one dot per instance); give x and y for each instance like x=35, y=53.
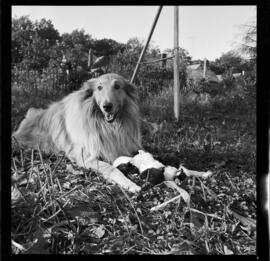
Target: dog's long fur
x=76, y=125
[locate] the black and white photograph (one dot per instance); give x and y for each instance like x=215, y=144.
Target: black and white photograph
x=134, y=130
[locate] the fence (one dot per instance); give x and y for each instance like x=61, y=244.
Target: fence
x=48, y=82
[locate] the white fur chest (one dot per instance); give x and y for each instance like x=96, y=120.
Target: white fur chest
x=117, y=141
x=74, y=121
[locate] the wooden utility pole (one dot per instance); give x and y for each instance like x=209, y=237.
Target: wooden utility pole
x=176, y=65
x=146, y=45
x=204, y=68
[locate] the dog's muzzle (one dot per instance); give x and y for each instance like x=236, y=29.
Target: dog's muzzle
x=109, y=117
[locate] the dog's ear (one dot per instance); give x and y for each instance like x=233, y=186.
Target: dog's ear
x=131, y=91
x=88, y=88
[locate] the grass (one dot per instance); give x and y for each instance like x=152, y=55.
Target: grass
x=60, y=208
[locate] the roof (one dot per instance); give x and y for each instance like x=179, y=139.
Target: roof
x=194, y=66
x=197, y=75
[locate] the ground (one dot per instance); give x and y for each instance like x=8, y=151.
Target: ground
x=60, y=208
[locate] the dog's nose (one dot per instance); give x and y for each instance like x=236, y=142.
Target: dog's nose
x=107, y=107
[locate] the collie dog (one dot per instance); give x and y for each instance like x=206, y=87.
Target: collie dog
x=93, y=126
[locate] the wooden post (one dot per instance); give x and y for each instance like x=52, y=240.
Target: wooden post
x=90, y=58
x=163, y=62
x=146, y=45
x=176, y=65
x=204, y=68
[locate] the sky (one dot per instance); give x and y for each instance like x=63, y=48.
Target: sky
x=204, y=31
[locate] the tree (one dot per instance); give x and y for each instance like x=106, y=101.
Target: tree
x=107, y=47
x=46, y=31
x=135, y=45
x=230, y=59
x=76, y=46
x=22, y=30
x=31, y=42
x=248, y=47
x=185, y=59
x=228, y=63
x=249, y=40
x=125, y=60
x=154, y=52
x=217, y=67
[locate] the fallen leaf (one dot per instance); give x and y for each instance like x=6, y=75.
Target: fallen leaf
x=197, y=219
x=227, y=251
x=66, y=185
x=15, y=195
x=99, y=231
x=249, y=224
x=246, y=221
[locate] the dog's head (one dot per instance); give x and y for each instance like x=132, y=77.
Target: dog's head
x=110, y=92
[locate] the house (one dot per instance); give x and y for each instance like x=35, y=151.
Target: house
x=195, y=72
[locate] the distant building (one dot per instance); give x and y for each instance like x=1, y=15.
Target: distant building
x=195, y=72
x=194, y=66
x=234, y=75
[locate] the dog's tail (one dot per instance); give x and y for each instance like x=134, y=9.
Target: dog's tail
x=30, y=130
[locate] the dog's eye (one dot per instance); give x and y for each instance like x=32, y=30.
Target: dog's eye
x=99, y=88
x=116, y=86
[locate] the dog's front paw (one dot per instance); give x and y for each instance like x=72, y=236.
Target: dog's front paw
x=132, y=187
x=119, y=178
